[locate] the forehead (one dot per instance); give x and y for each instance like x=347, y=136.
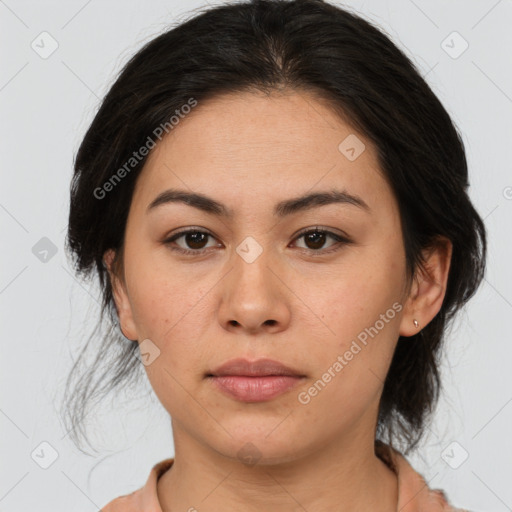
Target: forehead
x=250, y=148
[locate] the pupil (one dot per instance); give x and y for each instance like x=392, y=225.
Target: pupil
x=317, y=238
x=195, y=239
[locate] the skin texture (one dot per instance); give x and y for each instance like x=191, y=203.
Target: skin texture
x=292, y=304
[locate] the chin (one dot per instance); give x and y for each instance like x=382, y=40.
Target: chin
x=260, y=443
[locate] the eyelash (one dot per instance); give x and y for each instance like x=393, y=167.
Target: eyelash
x=197, y=252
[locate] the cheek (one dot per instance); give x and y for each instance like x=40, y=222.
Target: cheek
x=360, y=316
x=174, y=312
x=171, y=314
x=351, y=367
x=343, y=304
x=164, y=300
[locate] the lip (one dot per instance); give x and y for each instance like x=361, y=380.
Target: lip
x=257, y=368
x=254, y=381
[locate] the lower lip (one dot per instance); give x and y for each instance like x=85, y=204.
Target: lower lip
x=255, y=389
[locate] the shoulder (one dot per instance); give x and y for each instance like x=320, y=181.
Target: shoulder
x=125, y=503
x=144, y=499
x=414, y=494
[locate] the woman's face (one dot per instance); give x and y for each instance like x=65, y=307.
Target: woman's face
x=255, y=286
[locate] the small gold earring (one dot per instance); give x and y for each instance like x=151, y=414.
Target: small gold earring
x=416, y=324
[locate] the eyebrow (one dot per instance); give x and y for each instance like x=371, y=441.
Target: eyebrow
x=281, y=209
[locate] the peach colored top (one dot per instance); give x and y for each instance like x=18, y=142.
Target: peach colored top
x=414, y=495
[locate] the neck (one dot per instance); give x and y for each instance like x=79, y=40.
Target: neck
x=348, y=477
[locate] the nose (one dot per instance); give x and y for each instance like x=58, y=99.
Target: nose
x=254, y=297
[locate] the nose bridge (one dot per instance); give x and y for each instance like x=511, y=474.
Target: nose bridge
x=252, y=267
x=252, y=296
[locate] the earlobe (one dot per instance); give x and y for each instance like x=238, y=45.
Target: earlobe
x=121, y=300
x=429, y=288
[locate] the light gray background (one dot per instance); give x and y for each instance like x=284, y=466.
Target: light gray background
x=46, y=106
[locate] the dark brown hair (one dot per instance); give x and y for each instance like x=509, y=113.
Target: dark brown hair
x=267, y=45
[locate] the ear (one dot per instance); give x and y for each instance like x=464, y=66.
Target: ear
x=122, y=302
x=428, y=288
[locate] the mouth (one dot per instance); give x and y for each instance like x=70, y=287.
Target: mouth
x=258, y=368
x=254, y=381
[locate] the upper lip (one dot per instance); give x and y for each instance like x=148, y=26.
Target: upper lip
x=257, y=368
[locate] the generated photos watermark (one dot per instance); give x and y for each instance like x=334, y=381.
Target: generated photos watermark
x=304, y=397
x=143, y=151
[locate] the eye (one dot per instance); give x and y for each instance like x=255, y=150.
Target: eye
x=315, y=238
x=193, y=237
x=196, y=241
